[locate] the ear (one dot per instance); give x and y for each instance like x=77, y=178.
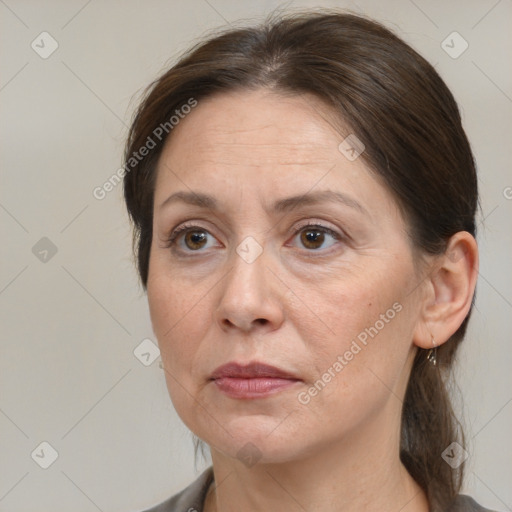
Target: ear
x=450, y=289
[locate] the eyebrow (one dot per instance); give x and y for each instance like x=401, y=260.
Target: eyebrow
x=280, y=206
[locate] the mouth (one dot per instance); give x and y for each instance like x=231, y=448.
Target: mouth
x=254, y=380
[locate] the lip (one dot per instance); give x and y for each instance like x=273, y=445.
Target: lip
x=253, y=380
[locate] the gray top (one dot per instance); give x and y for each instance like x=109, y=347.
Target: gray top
x=191, y=499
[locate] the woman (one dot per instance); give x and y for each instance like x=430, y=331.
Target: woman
x=303, y=198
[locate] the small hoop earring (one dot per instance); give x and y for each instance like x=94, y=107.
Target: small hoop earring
x=432, y=353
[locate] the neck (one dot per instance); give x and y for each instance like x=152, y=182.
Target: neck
x=352, y=475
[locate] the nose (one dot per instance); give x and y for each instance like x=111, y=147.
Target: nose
x=250, y=297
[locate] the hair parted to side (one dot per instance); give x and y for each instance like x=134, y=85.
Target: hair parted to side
x=398, y=106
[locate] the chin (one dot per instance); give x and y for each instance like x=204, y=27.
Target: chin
x=255, y=439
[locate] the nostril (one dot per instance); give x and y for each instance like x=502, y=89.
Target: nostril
x=242, y=324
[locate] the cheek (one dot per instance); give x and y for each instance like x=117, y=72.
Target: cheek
x=176, y=312
x=359, y=337
x=338, y=309
x=175, y=317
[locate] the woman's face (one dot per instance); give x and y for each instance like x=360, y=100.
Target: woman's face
x=333, y=306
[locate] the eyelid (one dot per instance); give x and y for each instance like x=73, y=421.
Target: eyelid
x=319, y=224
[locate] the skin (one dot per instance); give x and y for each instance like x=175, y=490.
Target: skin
x=298, y=306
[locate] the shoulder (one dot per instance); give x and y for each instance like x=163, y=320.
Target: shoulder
x=465, y=503
x=190, y=499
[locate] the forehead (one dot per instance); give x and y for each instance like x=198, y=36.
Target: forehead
x=274, y=128
x=261, y=144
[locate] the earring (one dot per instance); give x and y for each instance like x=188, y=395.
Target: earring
x=432, y=353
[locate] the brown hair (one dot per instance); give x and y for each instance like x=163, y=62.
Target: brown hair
x=399, y=107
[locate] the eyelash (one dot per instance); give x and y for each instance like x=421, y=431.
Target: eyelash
x=172, y=239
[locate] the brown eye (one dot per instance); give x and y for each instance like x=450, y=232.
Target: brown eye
x=191, y=238
x=316, y=237
x=195, y=239
x=312, y=238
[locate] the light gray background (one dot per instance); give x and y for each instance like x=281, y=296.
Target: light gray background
x=70, y=325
